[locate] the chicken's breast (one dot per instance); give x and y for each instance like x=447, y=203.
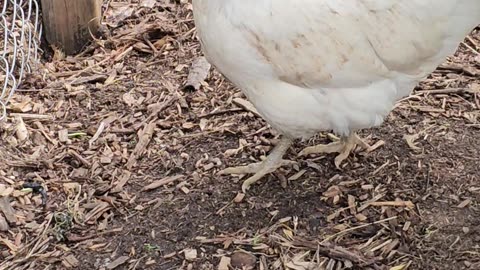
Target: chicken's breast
x=312, y=65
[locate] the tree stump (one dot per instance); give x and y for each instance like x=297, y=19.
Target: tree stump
x=69, y=24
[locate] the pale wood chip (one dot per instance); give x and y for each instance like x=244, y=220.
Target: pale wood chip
x=118, y=262
x=198, y=73
x=7, y=210
x=162, y=182
x=247, y=105
x=143, y=142
x=123, y=180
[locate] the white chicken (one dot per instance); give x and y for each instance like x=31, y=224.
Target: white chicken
x=318, y=65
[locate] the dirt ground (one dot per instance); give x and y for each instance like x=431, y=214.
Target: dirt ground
x=128, y=158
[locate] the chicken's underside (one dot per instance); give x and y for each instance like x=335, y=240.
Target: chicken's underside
x=317, y=65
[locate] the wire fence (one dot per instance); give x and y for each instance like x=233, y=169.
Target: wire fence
x=21, y=31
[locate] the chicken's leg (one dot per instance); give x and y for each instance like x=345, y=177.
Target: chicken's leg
x=271, y=163
x=344, y=146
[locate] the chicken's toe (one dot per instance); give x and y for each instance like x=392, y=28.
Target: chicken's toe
x=356, y=140
x=334, y=147
x=344, y=147
x=265, y=168
x=259, y=170
x=250, y=168
x=271, y=163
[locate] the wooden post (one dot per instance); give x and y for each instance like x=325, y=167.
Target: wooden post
x=68, y=24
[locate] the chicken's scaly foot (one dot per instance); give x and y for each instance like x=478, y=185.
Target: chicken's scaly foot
x=344, y=147
x=271, y=163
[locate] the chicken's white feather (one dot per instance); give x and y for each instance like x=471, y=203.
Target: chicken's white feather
x=315, y=65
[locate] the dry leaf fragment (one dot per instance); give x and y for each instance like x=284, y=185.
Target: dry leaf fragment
x=123, y=180
x=185, y=190
x=465, y=203
x=72, y=188
x=7, y=210
x=148, y=3
x=117, y=262
x=224, y=263
x=332, y=192
x=129, y=99
x=22, y=107
x=6, y=191
x=198, y=73
x=410, y=139
x=96, y=212
x=8, y=244
x=70, y=261
x=63, y=135
x=144, y=140
x=111, y=78
x=361, y=217
x=3, y=224
x=161, y=42
x=298, y=262
x=398, y=267
x=190, y=254
x=118, y=12
x=21, y=129
x=247, y=105
x=231, y=152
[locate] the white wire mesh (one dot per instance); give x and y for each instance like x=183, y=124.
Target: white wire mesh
x=20, y=32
